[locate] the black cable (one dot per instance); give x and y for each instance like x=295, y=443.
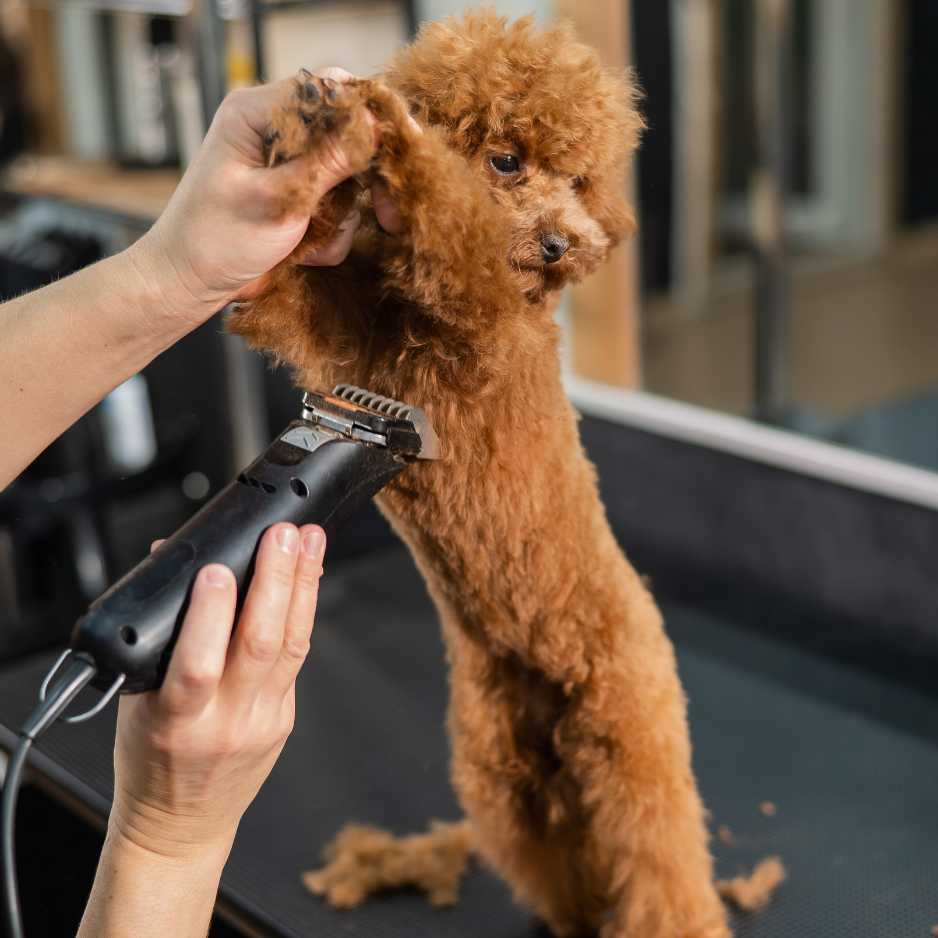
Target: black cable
x=11, y=786
x=77, y=672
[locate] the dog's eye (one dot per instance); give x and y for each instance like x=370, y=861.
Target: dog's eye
x=505, y=163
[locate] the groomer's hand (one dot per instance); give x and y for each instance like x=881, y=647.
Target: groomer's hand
x=191, y=756
x=227, y=225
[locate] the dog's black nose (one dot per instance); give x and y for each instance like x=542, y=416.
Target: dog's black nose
x=553, y=247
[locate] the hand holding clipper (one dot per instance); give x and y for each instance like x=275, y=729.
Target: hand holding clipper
x=345, y=448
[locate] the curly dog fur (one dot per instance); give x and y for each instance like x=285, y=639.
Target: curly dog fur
x=570, y=749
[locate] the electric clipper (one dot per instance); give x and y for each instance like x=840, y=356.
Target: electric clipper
x=345, y=448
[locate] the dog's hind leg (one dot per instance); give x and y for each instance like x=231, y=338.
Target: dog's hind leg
x=578, y=780
x=625, y=744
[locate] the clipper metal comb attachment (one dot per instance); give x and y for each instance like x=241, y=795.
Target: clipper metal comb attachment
x=372, y=418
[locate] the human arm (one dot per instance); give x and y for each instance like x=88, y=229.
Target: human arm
x=65, y=346
x=190, y=758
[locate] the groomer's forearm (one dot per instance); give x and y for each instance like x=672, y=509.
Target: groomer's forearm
x=65, y=346
x=141, y=894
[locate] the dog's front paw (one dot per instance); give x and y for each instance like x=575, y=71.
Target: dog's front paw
x=327, y=115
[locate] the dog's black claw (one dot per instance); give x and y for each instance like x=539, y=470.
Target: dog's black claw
x=270, y=138
x=309, y=92
x=306, y=73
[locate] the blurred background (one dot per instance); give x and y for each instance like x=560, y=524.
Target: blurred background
x=785, y=269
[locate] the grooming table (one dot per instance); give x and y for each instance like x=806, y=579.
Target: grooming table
x=848, y=755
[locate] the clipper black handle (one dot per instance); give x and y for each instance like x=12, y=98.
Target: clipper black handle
x=131, y=629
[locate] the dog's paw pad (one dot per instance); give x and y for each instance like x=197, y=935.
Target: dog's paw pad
x=316, y=107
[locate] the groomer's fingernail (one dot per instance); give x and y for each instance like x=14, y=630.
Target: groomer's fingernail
x=218, y=576
x=288, y=539
x=314, y=543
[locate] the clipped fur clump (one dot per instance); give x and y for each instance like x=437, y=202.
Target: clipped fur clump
x=364, y=860
x=753, y=892
x=570, y=747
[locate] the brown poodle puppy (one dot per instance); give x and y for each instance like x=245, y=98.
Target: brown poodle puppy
x=570, y=751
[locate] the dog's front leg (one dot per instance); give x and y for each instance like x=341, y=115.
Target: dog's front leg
x=315, y=316
x=451, y=254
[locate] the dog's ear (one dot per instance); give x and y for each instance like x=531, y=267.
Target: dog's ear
x=617, y=126
x=605, y=200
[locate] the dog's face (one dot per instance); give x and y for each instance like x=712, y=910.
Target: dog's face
x=557, y=233
x=543, y=123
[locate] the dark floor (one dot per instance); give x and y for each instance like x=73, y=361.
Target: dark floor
x=848, y=757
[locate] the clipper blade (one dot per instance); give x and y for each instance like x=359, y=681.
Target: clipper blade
x=372, y=418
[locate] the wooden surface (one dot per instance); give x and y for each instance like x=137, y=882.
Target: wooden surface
x=41, y=75
x=141, y=193
x=604, y=309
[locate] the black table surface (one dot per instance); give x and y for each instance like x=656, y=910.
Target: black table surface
x=849, y=759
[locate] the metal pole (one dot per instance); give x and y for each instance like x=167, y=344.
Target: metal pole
x=244, y=370
x=412, y=17
x=771, y=73
x=256, y=15
x=211, y=31
x=694, y=50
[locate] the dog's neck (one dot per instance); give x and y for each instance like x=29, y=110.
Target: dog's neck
x=505, y=527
